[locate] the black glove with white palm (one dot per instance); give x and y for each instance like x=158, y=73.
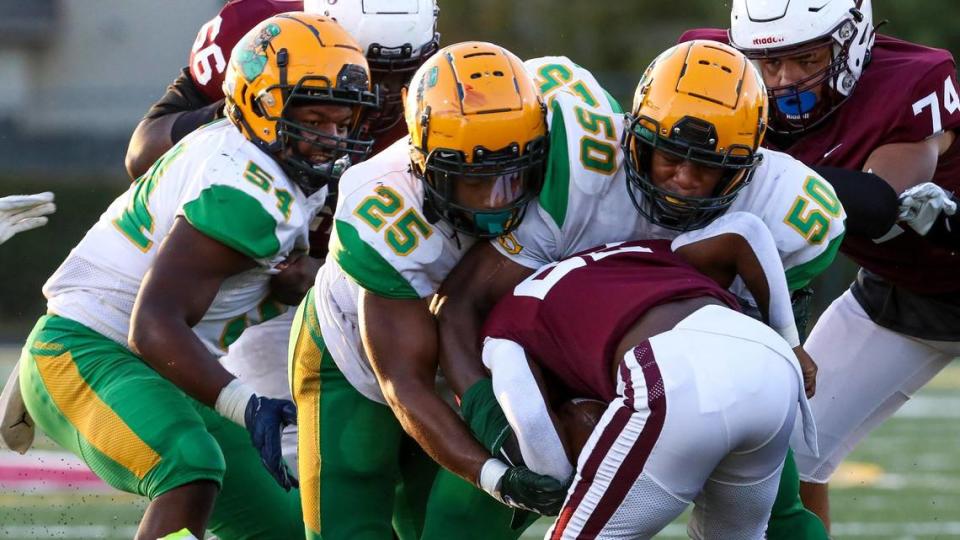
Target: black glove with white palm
x=924, y=204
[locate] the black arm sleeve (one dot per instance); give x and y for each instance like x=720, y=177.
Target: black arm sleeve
x=870, y=202
x=182, y=95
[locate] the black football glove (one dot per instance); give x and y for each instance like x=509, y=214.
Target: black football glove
x=522, y=488
x=265, y=419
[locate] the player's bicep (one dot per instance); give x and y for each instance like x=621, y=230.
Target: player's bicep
x=481, y=278
x=465, y=298
x=182, y=285
x=904, y=165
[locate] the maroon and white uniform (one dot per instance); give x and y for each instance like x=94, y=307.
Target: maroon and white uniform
x=899, y=324
x=701, y=413
x=216, y=39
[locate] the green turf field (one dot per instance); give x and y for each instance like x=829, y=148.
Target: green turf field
x=902, y=483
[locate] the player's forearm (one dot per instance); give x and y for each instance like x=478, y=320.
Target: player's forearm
x=174, y=351
x=436, y=427
x=150, y=140
x=460, y=321
x=468, y=294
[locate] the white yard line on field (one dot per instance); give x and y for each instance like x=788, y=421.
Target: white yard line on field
x=66, y=531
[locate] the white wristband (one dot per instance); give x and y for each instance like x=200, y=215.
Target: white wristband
x=232, y=401
x=790, y=335
x=490, y=474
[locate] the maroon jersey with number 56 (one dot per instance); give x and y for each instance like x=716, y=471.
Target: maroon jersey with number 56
x=569, y=316
x=906, y=94
x=211, y=50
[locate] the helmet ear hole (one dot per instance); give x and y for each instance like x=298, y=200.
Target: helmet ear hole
x=257, y=108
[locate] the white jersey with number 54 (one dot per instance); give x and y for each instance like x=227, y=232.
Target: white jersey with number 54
x=226, y=188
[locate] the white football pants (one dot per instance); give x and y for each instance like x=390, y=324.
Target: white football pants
x=703, y=414
x=866, y=372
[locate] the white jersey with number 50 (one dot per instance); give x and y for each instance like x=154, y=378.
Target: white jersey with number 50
x=226, y=188
x=584, y=201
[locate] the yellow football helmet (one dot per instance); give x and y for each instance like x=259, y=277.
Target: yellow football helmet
x=703, y=102
x=476, y=123
x=296, y=59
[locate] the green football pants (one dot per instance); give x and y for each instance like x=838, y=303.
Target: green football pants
x=789, y=520
x=141, y=434
x=361, y=476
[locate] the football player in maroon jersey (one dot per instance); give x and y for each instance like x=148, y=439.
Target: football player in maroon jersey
x=845, y=96
x=702, y=399
x=195, y=97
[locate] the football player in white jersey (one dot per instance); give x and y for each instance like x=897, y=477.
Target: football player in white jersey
x=395, y=44
x=396, y=39
x=364, y=359
x=123, y=371
x=692, y=152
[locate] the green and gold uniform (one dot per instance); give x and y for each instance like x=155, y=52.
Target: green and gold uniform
x=360, y=475
x=95, y=397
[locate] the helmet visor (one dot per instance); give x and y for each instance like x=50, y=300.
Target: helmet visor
x=485, y=198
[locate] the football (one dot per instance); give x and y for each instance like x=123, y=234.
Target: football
x=578, y=417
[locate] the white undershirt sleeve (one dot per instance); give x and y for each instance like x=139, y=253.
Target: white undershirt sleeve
x=523, y=404
x=752, y=229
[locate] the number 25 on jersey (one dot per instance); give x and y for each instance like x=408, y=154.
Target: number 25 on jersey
x=403, y=234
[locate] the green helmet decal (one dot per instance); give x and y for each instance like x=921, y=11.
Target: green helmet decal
x=252, y=54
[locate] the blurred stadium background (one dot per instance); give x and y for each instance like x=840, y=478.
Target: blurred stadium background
x=76, y=76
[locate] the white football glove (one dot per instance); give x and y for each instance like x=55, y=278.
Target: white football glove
x=20, y=213
x=921, y=205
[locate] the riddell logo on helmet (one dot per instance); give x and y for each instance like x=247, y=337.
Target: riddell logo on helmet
x=768, y=40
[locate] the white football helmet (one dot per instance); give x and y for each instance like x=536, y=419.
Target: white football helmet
x=397, y=37
x=765, y=29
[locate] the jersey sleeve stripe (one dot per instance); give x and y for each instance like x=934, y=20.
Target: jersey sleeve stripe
x=235, y=219
x=556, y=187
x=801, y=275
x=364, y=264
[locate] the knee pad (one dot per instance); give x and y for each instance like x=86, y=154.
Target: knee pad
x=189, y=455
